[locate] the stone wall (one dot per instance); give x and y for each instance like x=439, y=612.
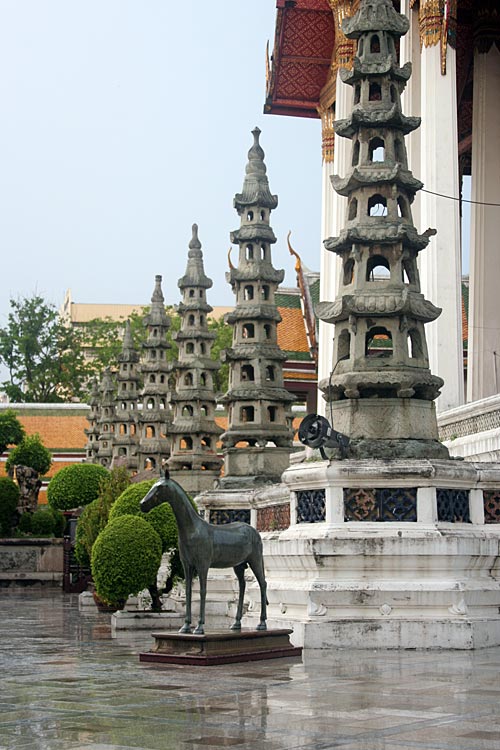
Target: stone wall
x=25, y=562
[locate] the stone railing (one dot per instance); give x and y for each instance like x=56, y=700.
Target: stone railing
x=25, y=562
x=472, y=431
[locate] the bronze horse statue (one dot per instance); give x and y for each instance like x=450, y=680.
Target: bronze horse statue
x=205, y=545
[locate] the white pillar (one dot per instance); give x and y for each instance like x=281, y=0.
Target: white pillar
x=483, y=377
x=410, y=99
x=333, y=217
x=440, y=262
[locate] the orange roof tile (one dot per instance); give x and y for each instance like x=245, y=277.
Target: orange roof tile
x=291, y=331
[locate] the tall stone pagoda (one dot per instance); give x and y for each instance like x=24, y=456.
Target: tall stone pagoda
x=154, y=419
x=125, y=441
x=106, y=421
x=259, y=438
x=92, y=431
x=380, y=391
x=194, y=431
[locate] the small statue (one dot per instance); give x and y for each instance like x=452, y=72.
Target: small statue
x=29, y=486
x=205, y=545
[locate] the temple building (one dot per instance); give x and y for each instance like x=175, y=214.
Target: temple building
x=155, y=417
x=194, y=461
x=259, y=438
x=125, y=442
x=454, y=48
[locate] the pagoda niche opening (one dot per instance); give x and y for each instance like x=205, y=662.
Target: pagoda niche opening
x=353, y=209
x=150, y=432
x=344, y=345
x=187, y=411
x=267, y=331
x=377, y=205
x=348, y=271
x=399, y=151
x=355, y=153
x=206, y=442
x=269, y=373
x=376, y=150
x=186, y=443
x=190, y=347
x=247, y=414
x=247, y=372
x=416, y=349
x=203, y=379
x=271, y=412
x=191, y=320
x=375, y=44
x=202, y=348
x=248, y=331
x=188, y=379
x=250, y=216
x=249, y=252
x=374, y=92
x=248, y=292
x=357, y=94
x=403, y=210
x=263, y=252
x=264, y=292
x=191, y=292
x=377, y=267
x=378, y=343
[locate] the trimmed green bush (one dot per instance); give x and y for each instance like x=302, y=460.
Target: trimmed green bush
x=94, y=516
x=59, y=522
x=9, y=498
x=42, y=523
x=30, y=452
x=24, y=524
x=125, y=558
x=75, y=486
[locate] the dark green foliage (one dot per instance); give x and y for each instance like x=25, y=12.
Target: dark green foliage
x=30, y=452
x=43, y=356
x=11, y=430
x=161, y=518
x=125, y=558
x=75, y=486
x=94, y=516
x=9, y=497
x=24, y=524
x=42, y=523
x=59, y=522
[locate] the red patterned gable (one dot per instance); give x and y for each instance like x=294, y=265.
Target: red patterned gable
x=301, y=58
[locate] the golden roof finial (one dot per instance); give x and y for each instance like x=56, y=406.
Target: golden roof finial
x=298, y=262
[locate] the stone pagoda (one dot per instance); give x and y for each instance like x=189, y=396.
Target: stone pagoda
x=258, y=440
x=194, y=431
x=125, y=441
x=92, y=431
x=380, y=388
x=154, y=419
x=106, y=421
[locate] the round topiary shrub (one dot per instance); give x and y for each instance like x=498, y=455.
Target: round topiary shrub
x=125, y=558
x=9, y=498
x=59, y=522
x=42, y=523
x=76, y=485
x=30, y=452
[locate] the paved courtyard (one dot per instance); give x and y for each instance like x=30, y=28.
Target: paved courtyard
x=65, y=683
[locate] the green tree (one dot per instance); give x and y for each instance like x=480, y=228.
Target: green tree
x=30, y=452
x=76, y=485
x=43, y=356
x=11, y=430
x=223, y=341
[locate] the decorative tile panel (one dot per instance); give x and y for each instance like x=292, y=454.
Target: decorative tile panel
x=491, y=506
x=273, y=518
x=385, y=504
x=229, y=515
x=453, y=505
x=311, y=506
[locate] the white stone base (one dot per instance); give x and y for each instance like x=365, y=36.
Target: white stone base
x=126, y=620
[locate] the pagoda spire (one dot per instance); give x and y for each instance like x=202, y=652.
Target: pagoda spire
x=154, y=419
x=381, y=390
x=258, y=440
x=194, y=430
x=125, y=442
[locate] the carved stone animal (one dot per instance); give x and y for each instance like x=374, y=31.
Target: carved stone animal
x=204, y=545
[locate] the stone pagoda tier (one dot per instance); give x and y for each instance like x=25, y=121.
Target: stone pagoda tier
x=92, y=431
x=259, y=438
x=106, y=421
x=381, y=391
x=154, y=419
x=194, y=461
x=125, y=441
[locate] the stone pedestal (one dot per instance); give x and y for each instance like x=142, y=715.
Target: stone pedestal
x=220, y=648
x=393, y=554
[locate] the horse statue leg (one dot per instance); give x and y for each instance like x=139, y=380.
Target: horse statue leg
x=188, y=575
x=240, y=575
x=202, y=575
x=257, y=566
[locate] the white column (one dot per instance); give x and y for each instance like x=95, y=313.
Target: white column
x=483, y=377
x=410, y=99
x=333, y=216
x=440, y=262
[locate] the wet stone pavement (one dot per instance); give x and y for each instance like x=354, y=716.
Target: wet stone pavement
x=65, y=683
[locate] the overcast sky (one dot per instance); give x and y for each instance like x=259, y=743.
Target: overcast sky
x=122, y=123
